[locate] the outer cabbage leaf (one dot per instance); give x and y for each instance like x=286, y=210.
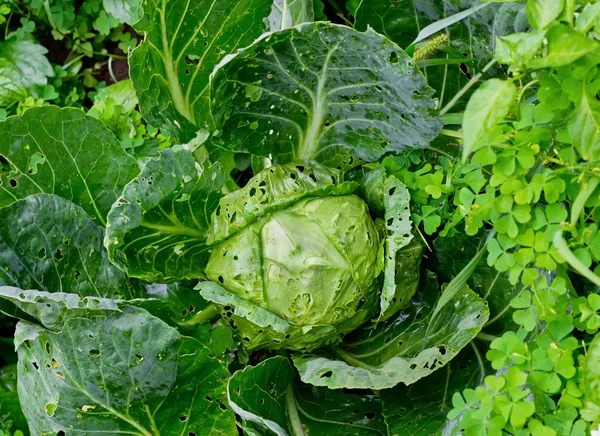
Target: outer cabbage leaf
x=272, y=189
x=53, y=309
x=269, y=396
x=63, y=152
x=422, y=408
x=24, y=70
x=157, y=228
x=402, y=350
x=183, y=43
x=259, y=328
x=53, y=245
x=295, y=94
x=390, y=197
x=121, y=371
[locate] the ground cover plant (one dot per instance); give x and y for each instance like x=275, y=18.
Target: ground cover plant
x=297, y=217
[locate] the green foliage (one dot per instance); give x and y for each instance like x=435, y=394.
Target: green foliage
x=250, y=234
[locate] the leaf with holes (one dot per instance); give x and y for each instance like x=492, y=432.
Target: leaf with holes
x=390, y=197
x=157, y=229
x=269, y=396
x=63, y=152
x=184, y=42
x=123, y=372
x=422, y=408
x=403, y=349
x=52, y=245
x=322, y=92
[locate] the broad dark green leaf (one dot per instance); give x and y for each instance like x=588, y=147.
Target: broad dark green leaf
x=178, y=304
x=63, y=152
x=469, y=45
x=157, y=228
x=390, y=197
x=402, y=350
x=125, y=11
x=289, y=13
x=184, y=42
x=487, y=107
x=322, y=92
x=584, y=127
x=269, y=396
x=452, y=254
x=422, y=408
x=124, y=371
x=53, y=245
x=24, y=70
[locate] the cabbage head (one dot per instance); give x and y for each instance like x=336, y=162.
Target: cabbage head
x=296, y=258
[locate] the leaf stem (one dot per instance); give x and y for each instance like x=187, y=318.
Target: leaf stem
x=486, y=337
x=206, y=314
x=291, y=408
x=451, y=133
x=348, y=358
x=563, y=249
x=182, y=230
x=468, y=86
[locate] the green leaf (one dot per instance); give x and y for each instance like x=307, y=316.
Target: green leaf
x=439, y=25
x=125, y=11
x=24, y=70
x=422, y=408
x=121, y=371
x=269, y=396
x=259, y=328
x=542, y=13
x=584, y=128
x=452, y=254
x=408, y=348
x=296, y=94
x=53, y=309
x=391, y=195
x=183, y=44
x=564, y=46
x=487, y=107
x=157, y=228
x=63, y=152
x=52, y=245
x=459, y=282
x=11, y=414
x=518, y=48
x=591, y=372
x=587, y=18
x=290, y=13
x=466, y=45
